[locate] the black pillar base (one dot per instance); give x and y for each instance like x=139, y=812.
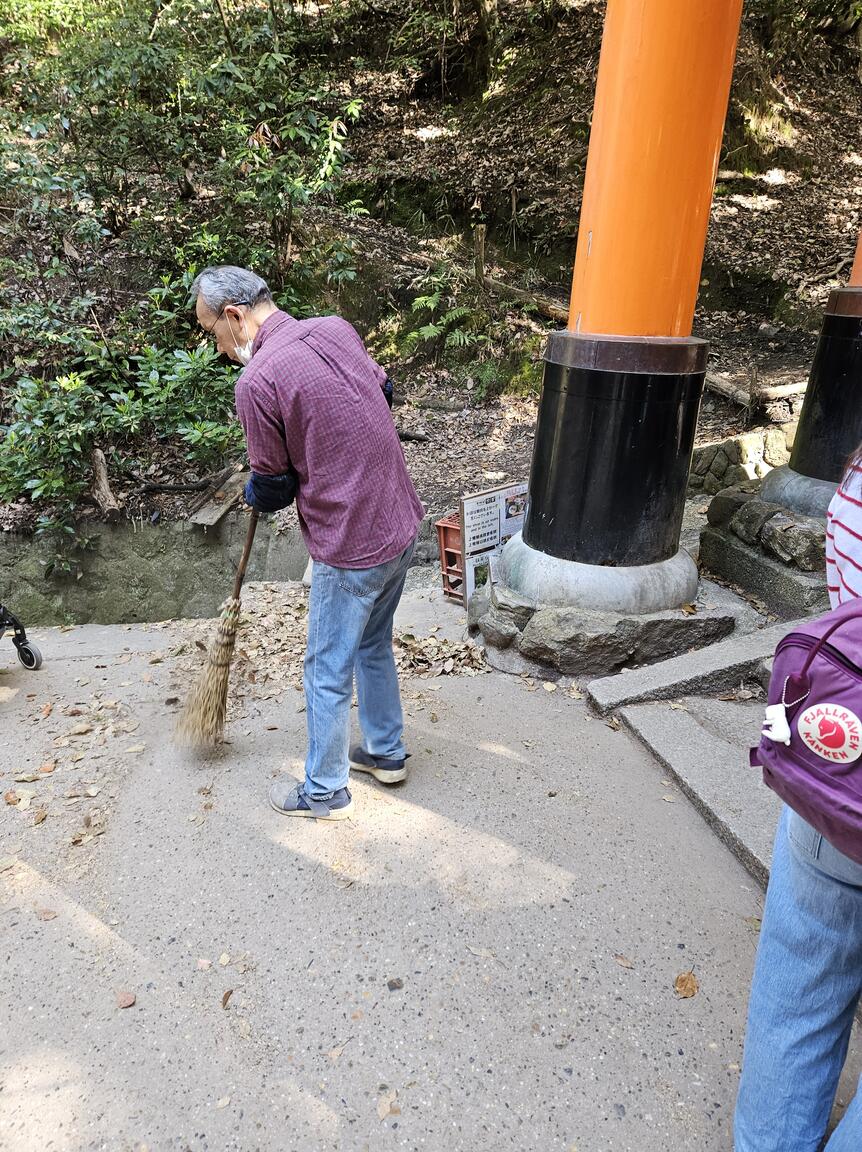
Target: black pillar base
x=613, y=447
x=830, y=424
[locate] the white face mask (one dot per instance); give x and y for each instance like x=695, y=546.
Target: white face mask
x=243, y=351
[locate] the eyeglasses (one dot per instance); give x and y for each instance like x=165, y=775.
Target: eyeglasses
x=229, y=304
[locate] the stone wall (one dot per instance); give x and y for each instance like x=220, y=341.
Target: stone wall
x=133, y=574
x=738, y=459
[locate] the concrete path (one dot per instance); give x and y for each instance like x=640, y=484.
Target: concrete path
x=482, y=959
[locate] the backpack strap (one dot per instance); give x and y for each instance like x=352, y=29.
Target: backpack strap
x=801, y=683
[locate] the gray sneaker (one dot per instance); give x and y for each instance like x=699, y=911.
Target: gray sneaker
x=386, y=771
x=292, y=801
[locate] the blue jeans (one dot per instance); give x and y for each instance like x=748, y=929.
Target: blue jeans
x=350, y=615
x=807, y=981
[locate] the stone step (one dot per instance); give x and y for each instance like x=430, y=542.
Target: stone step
x=714, y=669
x=703, y=744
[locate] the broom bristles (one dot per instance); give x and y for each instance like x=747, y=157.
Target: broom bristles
x=202, y=721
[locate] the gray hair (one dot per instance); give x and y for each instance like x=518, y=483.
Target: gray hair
x=227, y=284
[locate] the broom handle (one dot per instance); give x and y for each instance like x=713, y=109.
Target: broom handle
x=246, y=552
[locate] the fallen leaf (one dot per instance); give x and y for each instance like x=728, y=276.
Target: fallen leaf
x=613, y=722
x=26, y=777
x=224, y=959
x=223, y=1102
x=226, y=997
x=47, y=710
x=81, y=729
x=335, y=1052
x=668, y=799
x=576, y=693
x=753, y=922
x=678, y=706
x=45, y=914
x=40, y=817
x=688, y=609
x=125, y=999
x=686, y=985
x=548, y=686
x=10, y=797
x=623, y=961
x=434, y=717
x=92, y=791
x=136, y=748
x=48, y=767
x=395, y=984
x=385, y=1104
x=483, y=953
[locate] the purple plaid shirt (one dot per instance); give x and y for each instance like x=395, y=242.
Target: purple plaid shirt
x=311, y=399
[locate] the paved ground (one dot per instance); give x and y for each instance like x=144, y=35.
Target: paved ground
x=482, y=959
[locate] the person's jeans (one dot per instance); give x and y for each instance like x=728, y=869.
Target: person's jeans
x=350, y=615
x=807, y=981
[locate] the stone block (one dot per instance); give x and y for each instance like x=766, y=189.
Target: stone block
x=798, y=540
x=712, y=484
x=740, y=473
x=719, y=464
x=749, y=520
x=786, y=591
x=749, y=447
x=776, y=450
x=725, y=504
x=702, y=458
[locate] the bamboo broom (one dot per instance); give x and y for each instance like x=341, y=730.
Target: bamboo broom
x=202, y=721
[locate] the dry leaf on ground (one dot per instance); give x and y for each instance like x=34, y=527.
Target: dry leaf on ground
x=386, y=1105
x=45, y=914
x=686, y=985
x=483, y=953
x=223, y=1102
x=623, y=961
x=126, y=999
x=226, y=998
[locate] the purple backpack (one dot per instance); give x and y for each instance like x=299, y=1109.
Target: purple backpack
x=811, y=744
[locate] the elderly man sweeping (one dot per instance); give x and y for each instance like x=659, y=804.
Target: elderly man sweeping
x=313, y=405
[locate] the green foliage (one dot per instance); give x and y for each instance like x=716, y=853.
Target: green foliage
x=441, y=322
x=138, y=143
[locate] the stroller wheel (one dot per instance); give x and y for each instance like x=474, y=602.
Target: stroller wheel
x=30, y=656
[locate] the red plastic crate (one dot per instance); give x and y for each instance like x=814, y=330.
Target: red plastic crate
x=449, y=540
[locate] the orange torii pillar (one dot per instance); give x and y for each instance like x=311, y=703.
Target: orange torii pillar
x=622, y=385
x=830, y=423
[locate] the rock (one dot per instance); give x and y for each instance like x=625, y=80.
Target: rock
x=750, y=447
x=740, y=473
x=727, y=503
x=719, y=464
x=517, y=610
x=712, y=485
x=579, y=642
x=796, y=540
x=497, y=629
x=479, y=604
x=749, y=520
x=702, y=459
x=775, y=447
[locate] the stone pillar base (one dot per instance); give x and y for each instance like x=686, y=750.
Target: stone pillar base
x=799, y=493
x=538, y=579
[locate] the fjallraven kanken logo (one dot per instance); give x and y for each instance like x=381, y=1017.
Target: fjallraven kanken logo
x=832, y=732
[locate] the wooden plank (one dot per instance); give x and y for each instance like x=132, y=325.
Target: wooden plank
x=221, y=502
